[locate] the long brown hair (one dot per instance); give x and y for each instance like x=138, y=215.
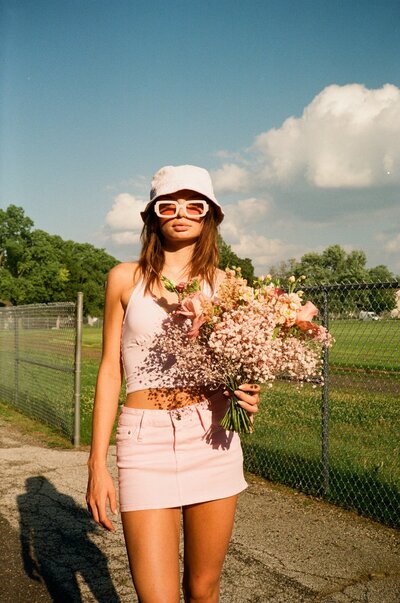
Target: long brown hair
x=205, y=256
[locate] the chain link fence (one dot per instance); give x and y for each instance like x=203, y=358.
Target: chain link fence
x=40, y=363
x=341, y=441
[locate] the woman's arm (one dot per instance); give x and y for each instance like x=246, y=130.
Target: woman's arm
x=108, y=386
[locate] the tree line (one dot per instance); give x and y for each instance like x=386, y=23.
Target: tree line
x=37, y=267
x=335, y=266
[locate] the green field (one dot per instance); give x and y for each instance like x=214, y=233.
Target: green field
x=372, y=345
x=44, y=392
x=364, y=414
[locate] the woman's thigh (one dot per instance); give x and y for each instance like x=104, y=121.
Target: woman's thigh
x=152, y=542
x=207, y=531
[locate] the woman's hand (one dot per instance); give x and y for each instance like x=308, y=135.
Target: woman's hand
x=100, y=489
x=248, y=397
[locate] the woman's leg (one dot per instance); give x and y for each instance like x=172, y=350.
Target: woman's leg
x=207, y=531
x=152, y=542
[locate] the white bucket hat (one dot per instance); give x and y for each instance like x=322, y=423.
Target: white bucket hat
x=173, y=178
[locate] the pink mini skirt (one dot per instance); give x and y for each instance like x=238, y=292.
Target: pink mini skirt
x=172, y=458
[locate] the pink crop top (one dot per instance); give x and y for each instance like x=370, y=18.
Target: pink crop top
x=143, y=321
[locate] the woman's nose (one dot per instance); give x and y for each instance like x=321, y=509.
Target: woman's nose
x=181, y=211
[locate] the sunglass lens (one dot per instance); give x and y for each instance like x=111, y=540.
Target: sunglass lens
x=195, y=208
x=167, y=209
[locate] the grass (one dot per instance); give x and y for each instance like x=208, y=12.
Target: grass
x=369, y=345
x=364, y=472
x=91, y=354
x=46, y=435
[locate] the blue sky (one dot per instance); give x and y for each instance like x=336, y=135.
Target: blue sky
x=293, y=106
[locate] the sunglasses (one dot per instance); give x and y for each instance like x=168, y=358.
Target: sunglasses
x=194, y=208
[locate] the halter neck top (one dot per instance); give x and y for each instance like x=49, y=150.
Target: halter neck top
x=143, y=322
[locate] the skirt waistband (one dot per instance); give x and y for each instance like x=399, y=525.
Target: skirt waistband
x=218, y=402
x=160, y=412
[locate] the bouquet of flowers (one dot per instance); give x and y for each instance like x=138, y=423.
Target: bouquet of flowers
x=245, y=334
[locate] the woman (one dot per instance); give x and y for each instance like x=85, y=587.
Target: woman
x=167, y=462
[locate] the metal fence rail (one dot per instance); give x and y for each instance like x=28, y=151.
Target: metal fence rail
x=39, y=371
x=341, y=442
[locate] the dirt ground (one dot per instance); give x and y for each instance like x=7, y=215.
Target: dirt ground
x=286, y=547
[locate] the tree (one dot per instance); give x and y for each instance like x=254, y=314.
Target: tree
x=228, y=259
x=335, y=266
x=6, y=287
x=15, y=233
x=381, y=300
x=36, y=267
x=14, y=224
x=87, y=271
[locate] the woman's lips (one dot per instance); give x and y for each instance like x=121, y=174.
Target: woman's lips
x=180, y=227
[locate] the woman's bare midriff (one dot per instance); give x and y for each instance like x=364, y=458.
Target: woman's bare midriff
x=167, y=398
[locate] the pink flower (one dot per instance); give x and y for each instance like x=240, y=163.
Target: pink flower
x=306, y=313
x=310, y=328
x=192, y=308
x=181, y=287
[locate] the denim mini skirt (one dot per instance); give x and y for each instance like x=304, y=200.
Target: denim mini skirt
x=173, y=458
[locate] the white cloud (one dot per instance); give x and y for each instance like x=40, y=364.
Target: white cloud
x=263, y=251
x=123, y=223
x=240, y=229
x=393, y=245
x=242, y=216
x=347, y=137
x=126, y=237
x=230, y=177
x=247, y=211
x=125, y=213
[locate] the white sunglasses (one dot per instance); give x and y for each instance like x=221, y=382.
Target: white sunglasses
x=169, y=208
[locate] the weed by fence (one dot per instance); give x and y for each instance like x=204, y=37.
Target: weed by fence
x=39, y=374
x=341, y=442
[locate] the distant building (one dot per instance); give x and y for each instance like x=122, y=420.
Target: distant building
x=395, y=313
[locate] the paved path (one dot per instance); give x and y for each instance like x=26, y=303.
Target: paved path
x=286, y=548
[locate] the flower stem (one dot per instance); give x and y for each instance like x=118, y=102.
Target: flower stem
x=236, y=418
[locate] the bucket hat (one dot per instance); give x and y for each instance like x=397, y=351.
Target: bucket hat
x=173, y=178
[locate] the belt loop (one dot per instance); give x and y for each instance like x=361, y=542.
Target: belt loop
x=141, y=424
x=198, y=410
x=173, y=427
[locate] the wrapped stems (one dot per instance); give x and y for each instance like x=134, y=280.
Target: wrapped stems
x=236, y=418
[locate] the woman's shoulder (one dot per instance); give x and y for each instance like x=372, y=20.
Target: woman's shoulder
x=219, y=275
x=218, y=278
x=123, y=275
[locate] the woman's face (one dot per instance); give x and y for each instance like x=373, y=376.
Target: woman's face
x=181, y=227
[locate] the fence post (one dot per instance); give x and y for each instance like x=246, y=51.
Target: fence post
x=77, y=380
x=16, y=357
x=325, y=404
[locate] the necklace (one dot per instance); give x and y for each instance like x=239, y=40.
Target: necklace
x=181, y=289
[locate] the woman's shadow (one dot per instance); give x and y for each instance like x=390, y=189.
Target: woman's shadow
x=56, y=547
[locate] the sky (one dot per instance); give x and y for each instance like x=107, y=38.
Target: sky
x=293, y=107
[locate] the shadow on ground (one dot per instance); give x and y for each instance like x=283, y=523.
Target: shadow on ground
x=56, y=547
